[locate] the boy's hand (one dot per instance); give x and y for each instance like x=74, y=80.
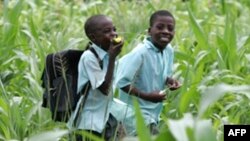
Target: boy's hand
x=173, y=84
x=115, y=49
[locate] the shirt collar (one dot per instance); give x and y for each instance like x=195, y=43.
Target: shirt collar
x=100, y=52
x=150, y=45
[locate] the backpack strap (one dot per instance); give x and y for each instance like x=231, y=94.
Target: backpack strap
x=98, y=58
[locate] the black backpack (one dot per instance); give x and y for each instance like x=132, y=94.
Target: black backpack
x=59, y=80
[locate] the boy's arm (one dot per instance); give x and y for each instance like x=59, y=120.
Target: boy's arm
x=105, y=87
x=153, y=96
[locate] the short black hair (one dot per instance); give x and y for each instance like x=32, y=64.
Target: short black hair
x=90, y=24
x=159, y=13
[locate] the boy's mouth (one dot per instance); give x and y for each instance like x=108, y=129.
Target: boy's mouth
x=164, y=39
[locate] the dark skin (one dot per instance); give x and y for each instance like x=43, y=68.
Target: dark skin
x=161, y=32
x=102, y=36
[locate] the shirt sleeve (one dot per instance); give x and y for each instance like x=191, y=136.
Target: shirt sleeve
x=128, y=68
x=94, y=72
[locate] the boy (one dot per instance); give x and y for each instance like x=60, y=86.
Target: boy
x=95, y=115
x=145, y=71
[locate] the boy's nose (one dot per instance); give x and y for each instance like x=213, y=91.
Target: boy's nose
x=165, y=30
x=114, y=34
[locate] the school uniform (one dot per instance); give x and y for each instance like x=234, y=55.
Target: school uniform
x=146, y=68
x=96, y=111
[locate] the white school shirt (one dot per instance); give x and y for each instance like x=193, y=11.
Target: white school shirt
x=146, y=69
x=96, y=110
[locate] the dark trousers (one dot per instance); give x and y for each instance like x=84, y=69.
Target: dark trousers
x=153, y=129
x=108, y=134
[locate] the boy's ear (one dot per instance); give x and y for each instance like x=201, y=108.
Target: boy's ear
x=149, y=30
x=92, y=37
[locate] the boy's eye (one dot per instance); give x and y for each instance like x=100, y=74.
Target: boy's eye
x=160, y=27
x=170, y=28
x=108, y=30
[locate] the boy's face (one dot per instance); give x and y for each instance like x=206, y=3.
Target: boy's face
x=104, y=33
x=162, y=31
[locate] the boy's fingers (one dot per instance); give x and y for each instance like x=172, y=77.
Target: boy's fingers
x=120, y=44
x=174, y=86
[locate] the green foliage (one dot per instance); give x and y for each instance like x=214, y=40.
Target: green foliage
x=212, y=60
x=143, y=131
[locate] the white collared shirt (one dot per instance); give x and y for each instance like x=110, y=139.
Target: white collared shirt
x=96, y=110
x=145, y=68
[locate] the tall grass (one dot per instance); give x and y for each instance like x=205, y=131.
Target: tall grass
x=212, y=46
